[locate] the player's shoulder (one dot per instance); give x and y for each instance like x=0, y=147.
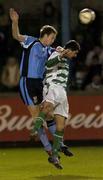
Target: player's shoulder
x=28, y=40
x=54, y=55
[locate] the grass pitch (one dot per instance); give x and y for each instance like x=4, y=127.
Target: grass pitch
x=32, y=164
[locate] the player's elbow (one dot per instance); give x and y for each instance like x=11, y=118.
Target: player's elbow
x=18, y=37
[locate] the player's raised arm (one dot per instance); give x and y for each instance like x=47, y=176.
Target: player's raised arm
x=15, y=27
x=55, y=57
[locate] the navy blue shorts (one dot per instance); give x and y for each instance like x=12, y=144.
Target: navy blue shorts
x=31, y=90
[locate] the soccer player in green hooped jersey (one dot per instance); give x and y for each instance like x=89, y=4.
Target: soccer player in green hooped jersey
x=55, y=99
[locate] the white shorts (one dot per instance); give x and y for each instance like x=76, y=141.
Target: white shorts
x=57, y=96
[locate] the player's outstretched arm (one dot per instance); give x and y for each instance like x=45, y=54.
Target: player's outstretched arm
x=15, y=27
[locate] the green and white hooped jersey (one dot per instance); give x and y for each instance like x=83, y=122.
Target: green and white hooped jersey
x=57, y=70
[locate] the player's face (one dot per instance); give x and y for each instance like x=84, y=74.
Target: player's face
x=70, y=54
x=50, y=39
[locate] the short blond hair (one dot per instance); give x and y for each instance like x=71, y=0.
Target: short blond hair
x=47, y=29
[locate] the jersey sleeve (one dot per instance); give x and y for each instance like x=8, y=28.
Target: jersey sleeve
x=28, y=41
x=53, y=60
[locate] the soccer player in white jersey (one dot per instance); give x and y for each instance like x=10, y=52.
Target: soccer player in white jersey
x=57, y=72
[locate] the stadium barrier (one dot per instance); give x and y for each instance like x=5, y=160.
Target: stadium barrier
x=85, y=119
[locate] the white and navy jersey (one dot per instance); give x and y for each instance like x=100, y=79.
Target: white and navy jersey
x=57, y=70
x=34, y=58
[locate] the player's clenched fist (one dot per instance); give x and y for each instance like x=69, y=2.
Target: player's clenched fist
x=13, y=15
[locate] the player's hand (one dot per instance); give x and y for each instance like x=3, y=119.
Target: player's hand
x=13, y=15
x=59, y=49
x=63, y=52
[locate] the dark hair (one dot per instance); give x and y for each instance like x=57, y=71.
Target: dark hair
x=47, y=29
x=73, y=45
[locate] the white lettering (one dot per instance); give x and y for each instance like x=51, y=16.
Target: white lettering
x=77, y=121
x=5, y=112
x=17, y=122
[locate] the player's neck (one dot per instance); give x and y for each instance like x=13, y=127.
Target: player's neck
x=42, y=40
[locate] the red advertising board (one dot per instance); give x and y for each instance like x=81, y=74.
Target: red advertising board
x=86, y=119
x=85, y=122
